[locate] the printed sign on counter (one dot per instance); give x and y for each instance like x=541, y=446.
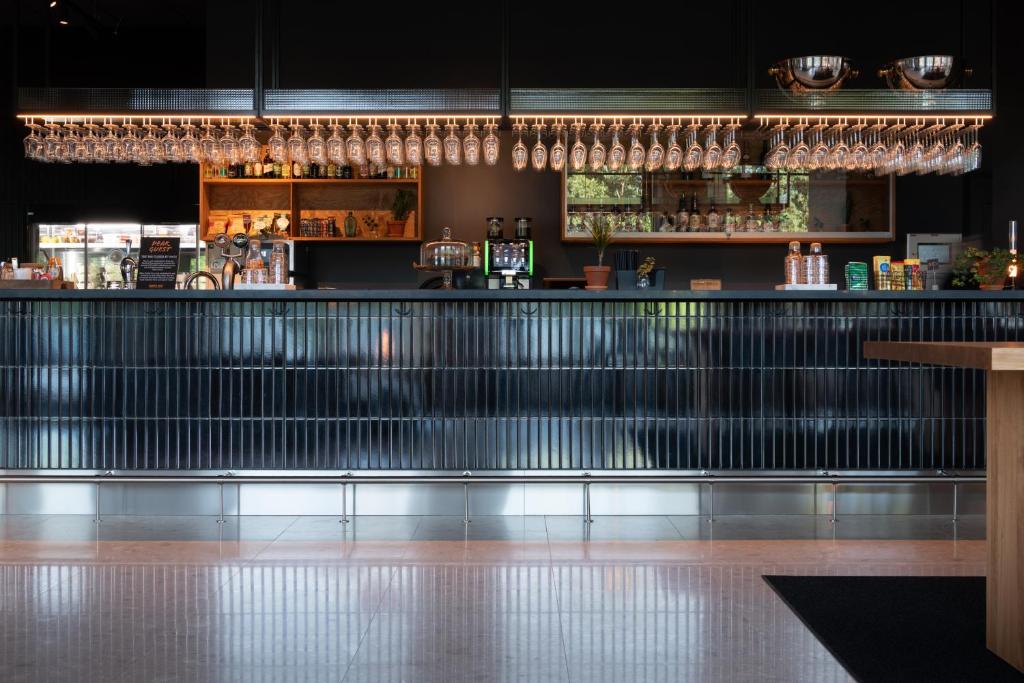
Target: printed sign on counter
x=158, y=262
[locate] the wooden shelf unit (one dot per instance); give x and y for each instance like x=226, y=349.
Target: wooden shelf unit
x=221, y=198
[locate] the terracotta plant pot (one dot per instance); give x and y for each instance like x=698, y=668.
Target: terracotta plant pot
x=991, y=287
x=396, y=228
x=597, y=276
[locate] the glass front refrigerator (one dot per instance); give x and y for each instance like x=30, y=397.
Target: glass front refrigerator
x=91, y=253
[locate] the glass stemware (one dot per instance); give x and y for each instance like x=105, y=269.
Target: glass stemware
x=33, y=142
x=471, y=145
x=77, y=150
x=520, y=155
x=355, y=147
x=712, y=150
x=819, y=148
x=375, y=146
x=277, y=146
x=229, y=147
x=598, y=152
x=655, y=152
x=297, y=153
x=131, y=144
x=452, y=145
x=95, y=151
x=248, y=145
x=394, y=148
x=557, y=155
x=316, y=146
x=171, y=144
x=152, y=147
x=190, y=149
x=799, y=151
x=539, y=153
x=731, y=152
x=838, y=150
x=616, y=151
x=413, y=145
x=578, y=152
x=694, y=152
x=336, y=146
x=673, y=151
x=777, y=155
x=433, y=148
x=858, y=155
x=491, y=144
x=112, y=147
x=636, y=155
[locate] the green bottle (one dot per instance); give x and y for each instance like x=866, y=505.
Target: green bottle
x=350, y=225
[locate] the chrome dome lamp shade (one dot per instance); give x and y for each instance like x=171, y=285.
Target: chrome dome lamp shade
x=812, y=73
x=926, y=72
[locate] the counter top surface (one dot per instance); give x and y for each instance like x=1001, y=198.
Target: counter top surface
x=499, y=295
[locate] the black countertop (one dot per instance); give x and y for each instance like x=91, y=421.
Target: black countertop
x=492, y=295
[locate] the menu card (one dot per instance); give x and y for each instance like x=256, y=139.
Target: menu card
x=158, y=262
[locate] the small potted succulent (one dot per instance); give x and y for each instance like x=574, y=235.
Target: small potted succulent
x=601, y=236
x=982, y=269
x=401, y=207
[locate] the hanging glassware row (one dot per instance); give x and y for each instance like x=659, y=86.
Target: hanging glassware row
x=882, y=145
x=147, y=141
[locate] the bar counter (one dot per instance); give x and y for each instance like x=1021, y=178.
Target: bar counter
x=427, y=380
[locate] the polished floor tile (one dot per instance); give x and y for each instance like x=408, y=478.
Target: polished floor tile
x=430, y=599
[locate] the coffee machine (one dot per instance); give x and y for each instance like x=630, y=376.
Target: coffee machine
x=508, y=263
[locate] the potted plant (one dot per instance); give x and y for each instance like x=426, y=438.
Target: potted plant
x=982, y=269
x=601, y=236
x=401, y=207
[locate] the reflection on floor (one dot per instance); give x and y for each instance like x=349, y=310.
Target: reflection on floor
x=430, y=599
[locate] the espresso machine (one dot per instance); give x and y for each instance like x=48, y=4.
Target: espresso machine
x=508, y=262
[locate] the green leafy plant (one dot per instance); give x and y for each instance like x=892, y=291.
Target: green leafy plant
x=402, y=205
x=601, y=232
x=976, y=267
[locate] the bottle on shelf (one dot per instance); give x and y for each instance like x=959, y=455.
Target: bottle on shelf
x=695, y=222
x=268, y=165
x=682, y=215
x=730, y=222
x=752, y=224
x=257, y=167
x=714, y=219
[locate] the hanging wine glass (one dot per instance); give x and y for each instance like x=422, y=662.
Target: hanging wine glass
x=539, y=153
x=433, y=148
x=336, y=146
x=694, y=152
x=520, y=155
x=712, y=150
x=316, y=146
x=858, y=150
x=248, y=145
x=578, y=152
x=655, y=153
x=76, y=150
x=598, y=153
x=95, y=151
x=819, y=148
x=229, y=147
x=491, y=144
x=471, y=145
x=32, y=143
x=556, y=157
x=297, y=146
x=616, y=150
x=190, y=150
x=276, y=145
x=131, y=143
x=112, y=147
x=355, y=147
x=636, y=155
x=394, y=149
x=375, y=146
x=731, y=153
x=413, y=145
x=799, y=151
x=839, y=150
x=171, y=144
x=673, y=151
x=452, y=145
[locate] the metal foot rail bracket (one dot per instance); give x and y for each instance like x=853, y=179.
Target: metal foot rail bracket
x=588, y=478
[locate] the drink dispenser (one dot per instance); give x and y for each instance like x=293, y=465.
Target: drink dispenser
x=508, y=262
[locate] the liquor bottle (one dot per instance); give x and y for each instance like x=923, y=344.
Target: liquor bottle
x=296, y=169
x=270, y=169
x=278, y=265
x=682, y=215
x=332, y=170
x=694, y=223
x=207, y=170
x=232, y=171
x=305, y=170
x=312, y=169
x=247, y=169
x=714, y=219
x=752, y=223
x=257, y=168
x=793, y=270
x=731, y=222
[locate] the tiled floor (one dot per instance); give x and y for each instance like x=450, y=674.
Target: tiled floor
x=429, y=599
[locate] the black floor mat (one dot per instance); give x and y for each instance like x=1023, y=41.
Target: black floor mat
x=895, y=628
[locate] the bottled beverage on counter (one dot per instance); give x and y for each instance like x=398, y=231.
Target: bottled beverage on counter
x=793, y=271
x=255, y=271
x=278, y=265
x=815, y=266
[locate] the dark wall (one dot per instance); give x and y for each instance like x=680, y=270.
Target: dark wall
x=196, y=43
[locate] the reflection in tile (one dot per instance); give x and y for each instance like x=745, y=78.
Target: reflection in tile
x=652, y=528
x=358, y=528
x=482, y=528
